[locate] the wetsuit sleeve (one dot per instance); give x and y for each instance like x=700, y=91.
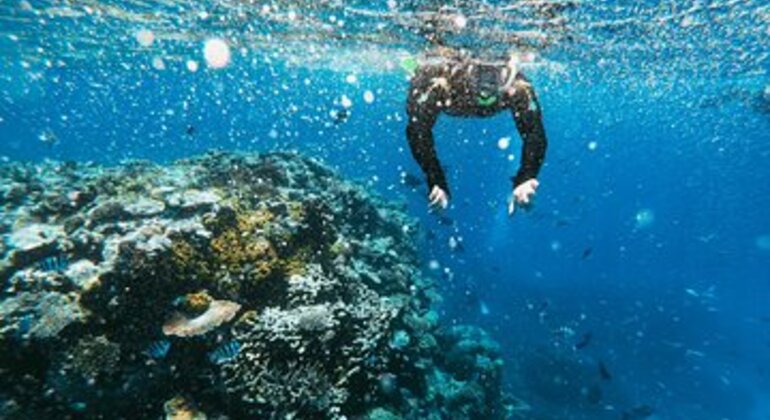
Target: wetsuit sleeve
x=529, y=122
x=422, y=113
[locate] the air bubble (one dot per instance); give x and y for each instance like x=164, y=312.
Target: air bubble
x=217, y=53
x=145, y=37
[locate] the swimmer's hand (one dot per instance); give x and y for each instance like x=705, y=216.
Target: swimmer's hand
x=522, y=195
x=438, y=198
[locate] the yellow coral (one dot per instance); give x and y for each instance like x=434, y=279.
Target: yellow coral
x=297, y=211
x=185, y=258
x=196, y=302
x=294, y=266
x=182, y=252
x=237, y=251
x=257, y=219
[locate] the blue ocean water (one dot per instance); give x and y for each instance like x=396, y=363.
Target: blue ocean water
x=647, y=251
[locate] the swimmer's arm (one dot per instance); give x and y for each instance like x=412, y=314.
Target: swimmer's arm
x=422, y=113
x=529, y=122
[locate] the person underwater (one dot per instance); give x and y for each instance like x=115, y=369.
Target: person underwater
x=462, y=86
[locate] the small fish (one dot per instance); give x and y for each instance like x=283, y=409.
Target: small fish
x=158, y=349
x=55, y=263
x=340, y=116
x=190, y=130
x=48, y=138
x=584, y=341
x=225, y=353
x=445, y=221
x=604, y=372
x=587, y=253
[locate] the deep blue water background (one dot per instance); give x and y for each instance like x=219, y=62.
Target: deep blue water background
x=577, y=260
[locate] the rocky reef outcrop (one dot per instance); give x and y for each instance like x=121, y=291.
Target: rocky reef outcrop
x=225, y=286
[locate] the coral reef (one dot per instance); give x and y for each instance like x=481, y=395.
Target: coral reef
x=246, y=286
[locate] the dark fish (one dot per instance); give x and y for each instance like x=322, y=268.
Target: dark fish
x=190, y=130
x=445, y=221
x=340, y=115
x=411, y=180
x=584, y=341
x=158, y=349
x=562, y=223
x=604, y=372
x=638, y=413
x=587, y=253
x=56, y=264
x=225, y=353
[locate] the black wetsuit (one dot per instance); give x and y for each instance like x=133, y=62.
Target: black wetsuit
x=466, y=88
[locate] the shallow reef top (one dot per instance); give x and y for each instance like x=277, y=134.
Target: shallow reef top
x=243, y=285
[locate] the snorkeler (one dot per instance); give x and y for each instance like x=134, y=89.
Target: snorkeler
x=462, y=86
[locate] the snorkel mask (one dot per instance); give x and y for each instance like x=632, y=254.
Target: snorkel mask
x=487, y=84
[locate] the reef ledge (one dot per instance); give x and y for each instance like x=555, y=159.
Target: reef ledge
x=223, y=286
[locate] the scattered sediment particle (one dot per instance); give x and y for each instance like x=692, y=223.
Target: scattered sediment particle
x=218, y=313
x=35, y=236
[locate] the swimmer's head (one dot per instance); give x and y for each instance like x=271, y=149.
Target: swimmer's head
x=487, y=81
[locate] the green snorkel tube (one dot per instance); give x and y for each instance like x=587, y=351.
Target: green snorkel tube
x=410, y=65
x=486, y=100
